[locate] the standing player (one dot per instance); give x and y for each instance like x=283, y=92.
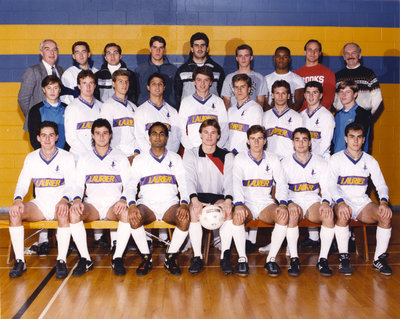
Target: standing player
x=80, y=114
x=156, y=109
x=209, y=181
x=350, y=171
x=253, y=176
x=120, y=112
x=102, y=174
x=51, y=170
x=243, y=115
x=307, y=175
x=200, y=106
x=161, y=176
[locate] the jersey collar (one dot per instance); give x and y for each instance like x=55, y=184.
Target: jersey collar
x=254, y=160
x=276, y=112
x=299, y=161
x=200, y=99
x=313, y=112
x=52, y=156
x=354, y=160
x=99, y=156
x=156, y=158
x=124, y=101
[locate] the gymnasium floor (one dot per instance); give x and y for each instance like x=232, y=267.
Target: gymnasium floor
x=100, y=294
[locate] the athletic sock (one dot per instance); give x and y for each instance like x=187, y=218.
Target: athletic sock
x=123, y=234
x=113, y=236
x=17, y=240
x=239, y=237
x=196, y=235
x=277, y=237
x=177, y=240
x=78, y=233
x=97, y=233
x=43, y=236
x=139, y=236
x=225, y=232
x=163, y=234
x=342, y=238
x=382, y=241
x=292, y=236
x=63, y=238
x=252, y=236
x=313, y=233
x=327, y=235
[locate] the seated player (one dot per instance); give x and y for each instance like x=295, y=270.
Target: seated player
x=51, y=170
x=120, y=112
x=306, y=174
x=253, y=176
x=104, y=173
x=161, y=176
x=209, y=181
x=244, y=114
x=350, y=171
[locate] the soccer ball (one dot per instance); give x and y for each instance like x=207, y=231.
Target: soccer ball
x=211, y=217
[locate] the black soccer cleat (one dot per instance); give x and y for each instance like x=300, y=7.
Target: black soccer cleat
x=272, y=268
x=196, y=265
x=171, y=265
x=83, y=267
x=18, y=269
x=250, y=247
x=242, y=267
x=381, y=265
x=309, y=243
x=43, y=249
x=61, y=269
x=145, y=266
x=102, y=242
x=345, y=265
x=113, y=248
x=117, y=264
x=294, y=268
x=323, y=267
x=225, y=263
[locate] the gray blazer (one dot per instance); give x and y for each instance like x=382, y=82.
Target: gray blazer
x=31, y=92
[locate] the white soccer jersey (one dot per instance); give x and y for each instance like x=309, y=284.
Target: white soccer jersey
x=348, y=178
x=78, y=118
x=70, y=81
x=295, y=81
x=306, y=180
x=53, y=179
x=194, y=111
x=240, y=120
x=121, y=115
x=280, y=130
x=253, y=180
x=208, y=173
x=160, y=179
x=321, y=125
x=106, y=178
x=147, y=114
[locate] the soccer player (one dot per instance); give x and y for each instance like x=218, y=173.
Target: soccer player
x=161, y=176
x=307, y=175
x=350, y=171
x=209, y=181
x=281, y=121
x=80, y=114
x=243, y=115
x=200, y=106
x=81, y=56
x=102, y=175
x=120, y=112
x=156, y=109
x=253, y=175
x=258, y=88
x=51, y=170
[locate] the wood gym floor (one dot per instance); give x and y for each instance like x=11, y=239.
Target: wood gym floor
x=101, y=294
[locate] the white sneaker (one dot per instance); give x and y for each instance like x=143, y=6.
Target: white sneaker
x=265, y=248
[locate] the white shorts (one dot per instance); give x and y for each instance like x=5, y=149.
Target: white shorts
x=158, y=208
x=256, y=208
x=305, y=205
x=102, y=206
x=357, y=206
x=48, y=208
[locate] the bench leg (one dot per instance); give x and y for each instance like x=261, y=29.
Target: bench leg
x=207, y=246
x=366, y=255
x=10, y=253
x=361, y=242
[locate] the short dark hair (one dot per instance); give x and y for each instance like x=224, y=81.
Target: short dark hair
x=157, y=38
x=112, y=44
x=80, y=43
x=100, y=123
x=120, y=72
x=314, y=84
x=242, y=77
x=313, y=41
x=301, y=130
x=85, y=74
x=51, y=124
x=210, y=122
x=350, y=83
x=199, y=36
x=205, y=70
x=281, y=83
x=155, y=124
x=282, y=49
x=50, y=79
x=155, y=75
x=244, y=47
x=355, y=126
x=257, y=129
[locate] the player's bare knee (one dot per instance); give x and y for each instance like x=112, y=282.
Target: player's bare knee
x=183, y=224
x=15, y=220
x=74, y=217
x=63, y=221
